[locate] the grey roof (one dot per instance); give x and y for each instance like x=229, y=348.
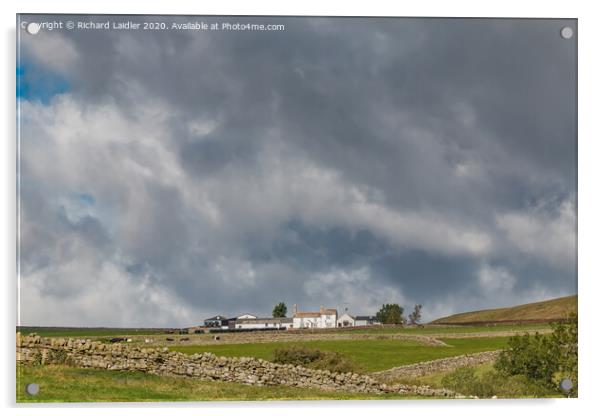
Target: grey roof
x=216, y=318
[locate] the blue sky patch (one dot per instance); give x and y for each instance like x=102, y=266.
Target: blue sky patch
x=85, y=198
x=35, y=83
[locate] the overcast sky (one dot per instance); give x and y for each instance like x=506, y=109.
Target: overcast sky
x=168, y=176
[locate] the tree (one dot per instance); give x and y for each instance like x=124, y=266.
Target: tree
x=546, y=359
x=279, y=310
x=416, y=315
x=390, y=313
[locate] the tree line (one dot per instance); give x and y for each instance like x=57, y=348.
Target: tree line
x=392, y=313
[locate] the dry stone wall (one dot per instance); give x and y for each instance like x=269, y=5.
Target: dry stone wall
x=287, y=336
x=205, y=366
x=435, y=366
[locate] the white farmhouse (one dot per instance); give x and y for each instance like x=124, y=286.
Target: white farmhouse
x=325, y=318
x=345, y=320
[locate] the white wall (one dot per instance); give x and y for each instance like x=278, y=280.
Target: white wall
x=346, y=318
x=328, y=321
x=254, y=325
x=324, y=321
x=306, y=322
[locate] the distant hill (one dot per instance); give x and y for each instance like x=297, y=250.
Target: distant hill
x=546, y=311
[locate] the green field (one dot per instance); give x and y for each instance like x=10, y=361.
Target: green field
x=367, y=355
x=67, y=384
x=549, y=310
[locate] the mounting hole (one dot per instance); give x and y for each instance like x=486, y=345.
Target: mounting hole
x=566, y=32
x=33, y=28
x=32, y=389
x=566, y=385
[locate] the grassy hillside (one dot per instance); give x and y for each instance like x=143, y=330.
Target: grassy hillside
x=549, y=310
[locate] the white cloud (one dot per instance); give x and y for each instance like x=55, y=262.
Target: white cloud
x=52, y=50
x=99, y=294
x=495, y=279
x=319, y=196
x=201, y=128
x=546, y=232
x=234, y=272
x=354, y=288
x=421, y=230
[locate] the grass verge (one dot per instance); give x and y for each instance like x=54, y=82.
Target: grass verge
x=69, y=384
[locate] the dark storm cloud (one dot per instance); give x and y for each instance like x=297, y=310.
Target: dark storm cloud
x=328, y=84
x=432, y=160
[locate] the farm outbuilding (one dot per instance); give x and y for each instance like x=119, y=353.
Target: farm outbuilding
x=264, y=323
x=346, y=320
x=218, y=321
x=366, y=320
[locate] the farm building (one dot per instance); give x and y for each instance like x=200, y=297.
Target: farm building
x=218, y=321
x=264, y=323
x=232, y=321
x=325, y=318
x=346, y=320
x=366, y=320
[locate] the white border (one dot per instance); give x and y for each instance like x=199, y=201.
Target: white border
x=590, y=200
